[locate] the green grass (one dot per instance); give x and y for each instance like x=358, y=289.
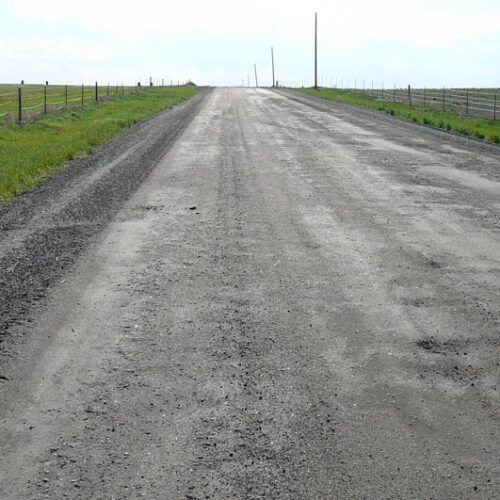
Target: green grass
x=30, y=152
x=487, y=130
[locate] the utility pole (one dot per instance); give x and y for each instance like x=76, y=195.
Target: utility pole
x=316, y=50
x=256, y=81
x=272, y=61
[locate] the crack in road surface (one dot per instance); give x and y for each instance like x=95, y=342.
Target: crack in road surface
x=271, y=297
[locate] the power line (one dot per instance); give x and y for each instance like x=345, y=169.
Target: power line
x=272, y=62
x=316, y=50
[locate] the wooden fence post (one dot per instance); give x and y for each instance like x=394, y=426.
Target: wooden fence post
x=82, y=95
x=20, y=104
x=409, y=95
x=96, y=92
x=467, y=104
x=495, y=106
x=425, y=95
x=444, y=99
x=45, y=100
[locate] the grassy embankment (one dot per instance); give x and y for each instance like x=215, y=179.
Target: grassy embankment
x=29, y=153
x=488, y=130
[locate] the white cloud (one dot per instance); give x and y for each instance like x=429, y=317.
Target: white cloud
x=422, y=23
x=220, y=39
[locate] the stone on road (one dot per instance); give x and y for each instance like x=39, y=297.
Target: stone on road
x=299, y=300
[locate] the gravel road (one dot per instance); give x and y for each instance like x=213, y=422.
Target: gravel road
x=256, y=294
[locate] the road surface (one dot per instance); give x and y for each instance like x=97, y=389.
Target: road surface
x=257, y=294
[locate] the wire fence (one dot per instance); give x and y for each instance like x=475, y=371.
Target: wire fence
x=481, y=103
x=471, y=103
x=468, y=102
x=28, y=102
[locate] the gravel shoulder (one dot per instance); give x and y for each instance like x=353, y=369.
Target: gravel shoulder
x=286, y=299
x=45, y=230
x=449, y=137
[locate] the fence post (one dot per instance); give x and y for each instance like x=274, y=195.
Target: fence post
x=382, y=90
x=96, y=92
x=394, y=94
x=444, y=99
x=82, y=95
x=425, y=95
x=409, y=95
x=65, y=97
x=467, y=104
x=495, y=106
x=20, y=104
x=45, y=100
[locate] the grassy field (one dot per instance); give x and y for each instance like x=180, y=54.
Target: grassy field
x=30, y=152
x=487, y=130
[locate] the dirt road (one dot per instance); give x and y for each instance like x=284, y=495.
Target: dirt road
x=255, y=295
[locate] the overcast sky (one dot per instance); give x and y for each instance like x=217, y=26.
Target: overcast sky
x=432, y=42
